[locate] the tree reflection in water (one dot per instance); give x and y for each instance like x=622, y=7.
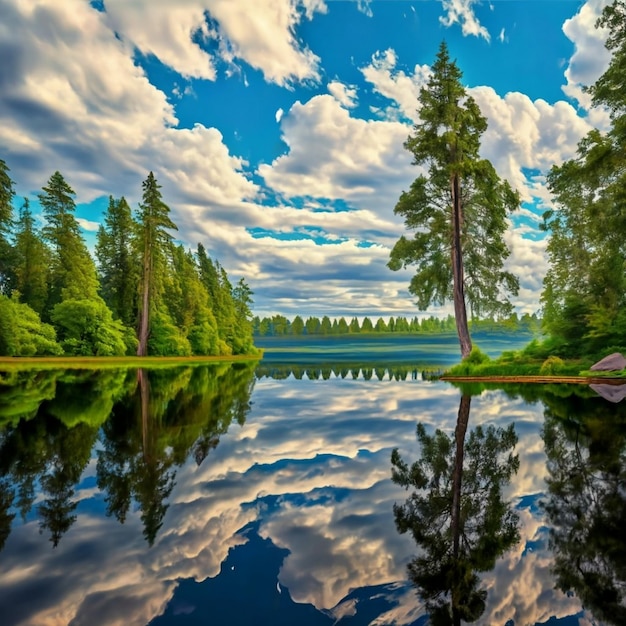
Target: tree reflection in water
x=147, y=423
x=456, y=513
x=585, y=441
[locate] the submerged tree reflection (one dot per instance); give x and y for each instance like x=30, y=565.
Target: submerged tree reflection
x=456, y=513
x=585, y=441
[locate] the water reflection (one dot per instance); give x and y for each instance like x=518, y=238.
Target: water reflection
x=585, y=442
x=143, y=423
x=291, y=511
x=347, y=370
x=456, y=514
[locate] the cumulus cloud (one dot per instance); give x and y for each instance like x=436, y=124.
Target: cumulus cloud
x=261, y=33
x=462, y=12
x=527, y=134
x=60, y=107
x=344, y=94
x=333, y=155
x=590, y=58
x=395, y=85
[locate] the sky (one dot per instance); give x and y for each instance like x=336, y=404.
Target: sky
x=276, y=127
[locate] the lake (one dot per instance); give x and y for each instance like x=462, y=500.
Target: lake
x=229, y=494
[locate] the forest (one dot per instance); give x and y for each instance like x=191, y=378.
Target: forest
x=142, y=294
x=279, y=325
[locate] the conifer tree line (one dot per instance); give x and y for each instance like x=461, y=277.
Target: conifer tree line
x=279, y=325
x=142, y=294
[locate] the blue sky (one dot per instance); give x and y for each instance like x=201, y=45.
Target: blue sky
x=275, y=127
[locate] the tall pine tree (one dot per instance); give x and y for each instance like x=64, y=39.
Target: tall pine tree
x=154, y=244
x=7, y=193
x=73, y=272
x=117, y=261
x=458, y=210
x=32, y=261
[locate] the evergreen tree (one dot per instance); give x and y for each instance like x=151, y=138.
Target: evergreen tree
x=117, y=261
x=458, y=211
x=242, y=298
x=155, y=244
x=367, y=326
x=342, y=326
x=297, y=326
x=188, y=304
x=72, y=272
x=380, y=327
x=312, y=326
x=7, y=193
x=220, y=298
x=32, y=262
x=326, y=328
x=584, y=294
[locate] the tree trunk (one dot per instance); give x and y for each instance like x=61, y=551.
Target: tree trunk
x=458, y=291
x=144, y=318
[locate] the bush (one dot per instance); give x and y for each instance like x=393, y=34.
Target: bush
x=552, y=365
x=476, y=357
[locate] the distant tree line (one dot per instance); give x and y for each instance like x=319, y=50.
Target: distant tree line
x=279, y=325
x=143, y=294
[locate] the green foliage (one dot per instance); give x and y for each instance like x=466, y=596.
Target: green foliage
x=584, y=293
x=22, y=333
x=86, y=327
x=552, y=365
x=141, y=276
x=476, y=357
x=72, y=272
x=472, y=364
x=118, y=261
x=32, y=260
x=166, y=339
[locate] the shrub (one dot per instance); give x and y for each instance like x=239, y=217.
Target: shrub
x=552, y=365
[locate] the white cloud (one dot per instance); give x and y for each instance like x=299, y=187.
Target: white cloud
x=527, y=134
x=364, y=7
x=166, y=30
x=279, y=115
x=462, y=12
x=333, y=155
x=590, y=58
x=521, y=133
x=344, y=94
x=396, y=85
x=88, y=225
x=262, y=33
x=502, y=36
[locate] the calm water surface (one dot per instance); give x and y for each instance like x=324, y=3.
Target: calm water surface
x=221, y=495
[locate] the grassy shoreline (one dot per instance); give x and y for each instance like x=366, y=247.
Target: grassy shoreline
x=105, y=362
